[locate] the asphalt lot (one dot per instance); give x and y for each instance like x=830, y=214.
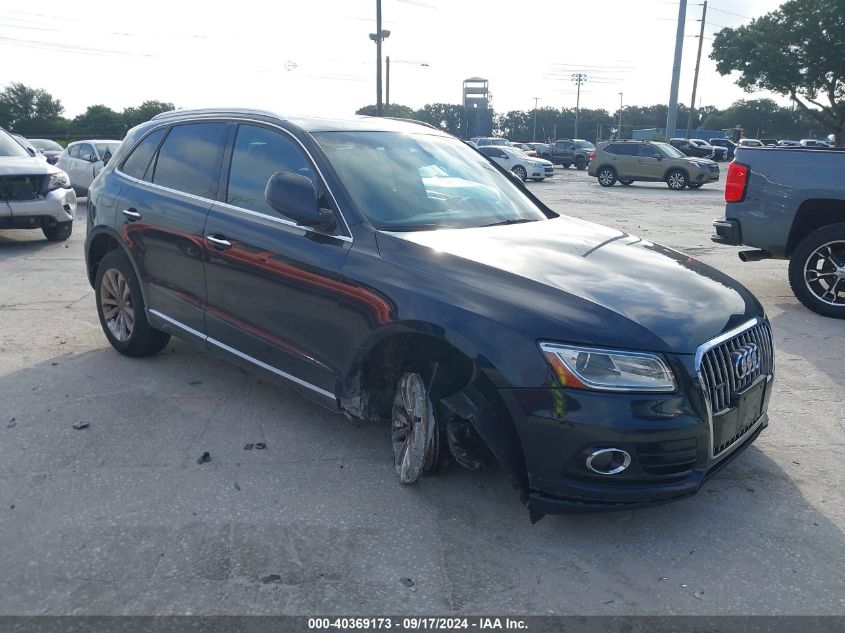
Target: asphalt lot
x=120, y=518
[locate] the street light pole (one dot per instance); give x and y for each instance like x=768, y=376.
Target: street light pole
x=578, y=78
x=672, y=118
x=378, y=37
x=619, y=127
x=697, y=66
x=387, y=82
x=534, y=135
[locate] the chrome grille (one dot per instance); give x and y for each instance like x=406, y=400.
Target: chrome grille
x=716, y=369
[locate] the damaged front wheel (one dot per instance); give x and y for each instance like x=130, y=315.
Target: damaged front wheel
x=412, y=427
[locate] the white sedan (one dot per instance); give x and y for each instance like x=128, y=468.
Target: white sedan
x=525, y=167
x=83, y=160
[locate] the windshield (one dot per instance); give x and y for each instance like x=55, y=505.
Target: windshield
x=670, y=151
x=499, y=141
x=10, y=147
x=46, y=144
x=419, y=182
x=102, y=148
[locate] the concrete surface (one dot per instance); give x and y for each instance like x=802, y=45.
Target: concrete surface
x=120, y=519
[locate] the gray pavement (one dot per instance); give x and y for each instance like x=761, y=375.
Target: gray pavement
x=120, y=519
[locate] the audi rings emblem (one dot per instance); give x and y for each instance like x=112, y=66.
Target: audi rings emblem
x=746, y=359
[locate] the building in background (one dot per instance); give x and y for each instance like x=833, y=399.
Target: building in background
x=478, y=108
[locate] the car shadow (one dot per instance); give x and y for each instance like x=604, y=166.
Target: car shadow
x=124, y=517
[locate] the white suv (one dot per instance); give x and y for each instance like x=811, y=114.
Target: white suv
x=83, y=160
x=33, y=193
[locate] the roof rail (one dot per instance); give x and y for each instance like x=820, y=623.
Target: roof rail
x=407, y=120
x=213, y=111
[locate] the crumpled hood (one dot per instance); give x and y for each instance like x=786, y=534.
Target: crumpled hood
x=25, y=166
x=678, y=299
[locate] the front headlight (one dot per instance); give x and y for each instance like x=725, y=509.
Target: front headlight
x=608, y=370
x=59, y=180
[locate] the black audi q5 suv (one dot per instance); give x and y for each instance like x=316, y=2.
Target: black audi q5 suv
x=394, y=274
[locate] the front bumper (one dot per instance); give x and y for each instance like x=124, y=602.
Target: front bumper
x=707, y=175
x=727, y=232
x=668, y=437
x=57, y=206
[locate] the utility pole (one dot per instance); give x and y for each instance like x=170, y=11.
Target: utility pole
x=578, y=78
x=534, y=135
x=378, y=37
x=672, y=119
x=387, y=82
x=619, y=127
x=697, y=66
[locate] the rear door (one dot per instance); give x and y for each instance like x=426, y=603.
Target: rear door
x=276, y=294
x=173, y=176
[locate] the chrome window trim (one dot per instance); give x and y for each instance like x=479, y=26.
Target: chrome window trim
x=283, y=221
x=247, y=357
x=699, y=354
x=230, y=119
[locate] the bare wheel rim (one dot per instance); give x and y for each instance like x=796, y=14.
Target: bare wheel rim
x=677, y=180
x=824, y=273
x=116, y=304
x=605, y=176
x=412, y=427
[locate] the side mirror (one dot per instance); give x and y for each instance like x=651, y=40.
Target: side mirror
x=106, y=158
x=294, y=196
x=31, y=151
x=659, y=156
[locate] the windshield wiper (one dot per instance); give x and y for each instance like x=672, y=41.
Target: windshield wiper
x=511, y=221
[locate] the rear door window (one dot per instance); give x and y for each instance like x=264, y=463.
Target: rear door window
x=189, y=158
x=138, y=162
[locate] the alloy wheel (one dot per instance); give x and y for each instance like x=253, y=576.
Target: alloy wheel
x=118, y=308
x=606, y=177
x=519, y=170
x=677, y=180
x=824, y=273
x=412, y=427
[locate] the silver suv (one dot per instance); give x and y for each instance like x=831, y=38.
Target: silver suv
x=33, y=193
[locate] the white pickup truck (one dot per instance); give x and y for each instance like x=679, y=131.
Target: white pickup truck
x=33, y=193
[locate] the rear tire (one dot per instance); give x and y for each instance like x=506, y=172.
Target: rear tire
x=695, y=185
x=626, y=181
x=817, y=271
x=565, y=165
x=606, y=176
x=120, y=306
x=580, y=164
x=58, y=232
x=676, y=180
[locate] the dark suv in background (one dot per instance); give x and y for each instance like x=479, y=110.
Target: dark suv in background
x=650, y=161
x=394, y=274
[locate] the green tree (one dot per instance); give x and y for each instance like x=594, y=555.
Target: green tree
x=144, y=112
x=796, y=51
x=393, y=110
x=448, y=117
x=26, y=110
x=98, y=121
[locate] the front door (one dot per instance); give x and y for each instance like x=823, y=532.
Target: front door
x=649, y=163
x=275, y=290
x=163, y=216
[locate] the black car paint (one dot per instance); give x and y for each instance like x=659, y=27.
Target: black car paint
x=318, y=304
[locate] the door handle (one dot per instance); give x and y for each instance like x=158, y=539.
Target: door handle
x=219, y=243
x=131, y=214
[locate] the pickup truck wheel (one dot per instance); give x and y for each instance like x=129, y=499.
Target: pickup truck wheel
x=817, y=271
x=606, y=176
x=565, y=165
x=676, y=179
x=580, y=164
x=626, y=181
x=520, y=172
x=58, y=232
x=120, y=306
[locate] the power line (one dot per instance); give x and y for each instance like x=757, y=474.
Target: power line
x=739, y=15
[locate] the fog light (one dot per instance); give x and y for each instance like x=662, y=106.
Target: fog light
x=608, y=461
